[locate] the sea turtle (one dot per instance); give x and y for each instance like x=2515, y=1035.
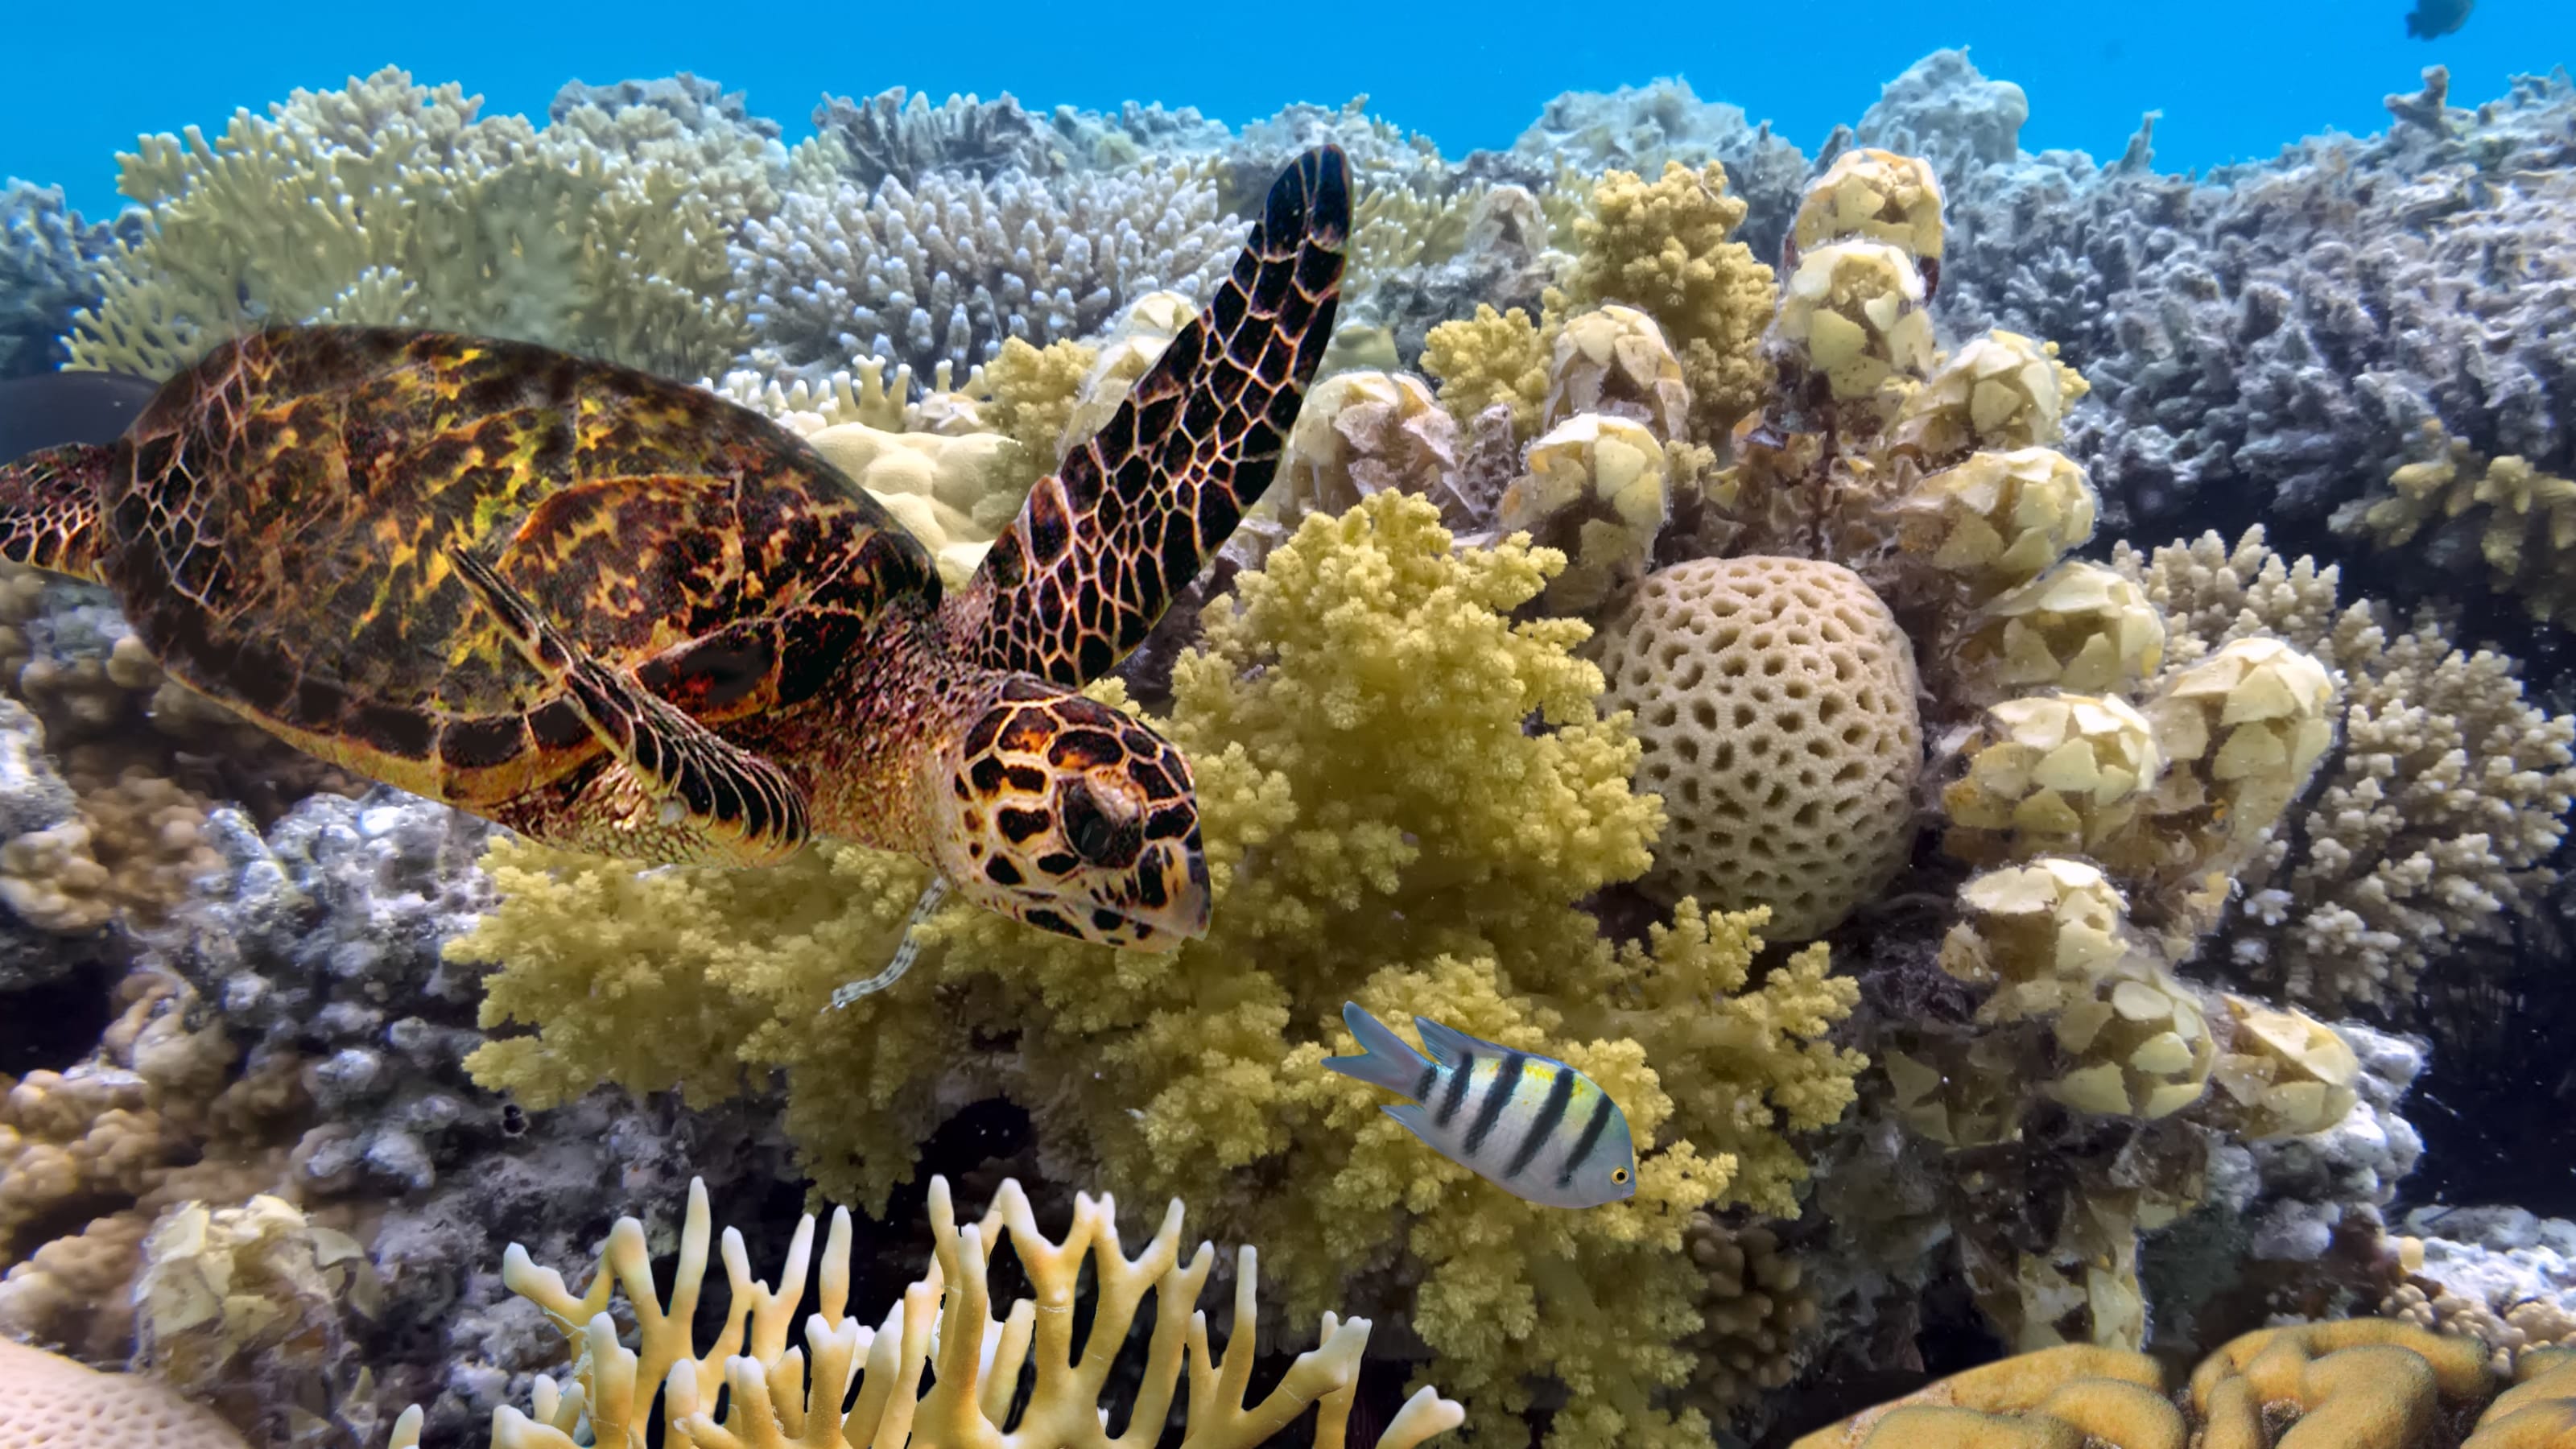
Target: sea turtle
x=622, y=615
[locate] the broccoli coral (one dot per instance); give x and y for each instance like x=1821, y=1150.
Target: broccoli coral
x=1382, y=825
x=1666, y=248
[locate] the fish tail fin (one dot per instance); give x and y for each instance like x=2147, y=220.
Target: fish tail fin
x=49, y=512
x=1385, y=1060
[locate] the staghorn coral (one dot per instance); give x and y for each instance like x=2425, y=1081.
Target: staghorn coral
x=945, y=271
x=1665, y=247
x=1382, y=827
x=941, y=1329
x=2436, y=811
x=390, y=202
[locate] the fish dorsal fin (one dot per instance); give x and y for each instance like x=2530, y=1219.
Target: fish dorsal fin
x=1446, y=1044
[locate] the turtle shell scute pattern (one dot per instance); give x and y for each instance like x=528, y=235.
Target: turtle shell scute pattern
x=282, y=522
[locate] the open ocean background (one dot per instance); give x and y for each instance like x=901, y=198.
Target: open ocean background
x=2236, y=80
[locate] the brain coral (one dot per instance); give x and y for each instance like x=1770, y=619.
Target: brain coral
x=1775, y=698
x=53, y=1403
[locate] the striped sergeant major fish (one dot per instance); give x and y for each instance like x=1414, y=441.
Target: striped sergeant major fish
x=1530, y=1125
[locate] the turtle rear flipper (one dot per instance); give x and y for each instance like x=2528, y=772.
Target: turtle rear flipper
x=49, y=509
x=737, y=807
x=1102, y=546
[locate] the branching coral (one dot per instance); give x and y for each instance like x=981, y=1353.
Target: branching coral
x=942, y=1330
x=49, y=269
x=2434, y=816
x=904, y=137
x=946, y=270
x=1382, y=826
x=1665, y=247
x=389, y=202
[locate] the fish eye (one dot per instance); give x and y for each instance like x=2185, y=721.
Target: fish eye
x=1086, y=826
x=1618, y=1174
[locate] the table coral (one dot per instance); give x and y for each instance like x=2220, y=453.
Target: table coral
x=1383, y=825
x=390, y=202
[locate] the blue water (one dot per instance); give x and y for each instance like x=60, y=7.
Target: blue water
x=2235, y=80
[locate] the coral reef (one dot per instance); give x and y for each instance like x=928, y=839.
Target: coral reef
x=50, y=1402
x=943, y=1329
x=894, y=135
x=154, y=1117
x=2445, y=796
x=945, y=270
x=2357, y=1382
x=1382, y=827
x=1775, y=698
x=1667, y=248
x=49, y=269
x=391, y=202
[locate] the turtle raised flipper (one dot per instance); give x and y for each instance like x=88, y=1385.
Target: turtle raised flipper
x=741, y=808
x=1103, y=545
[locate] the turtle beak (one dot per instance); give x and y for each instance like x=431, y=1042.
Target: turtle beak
x=1172, y=906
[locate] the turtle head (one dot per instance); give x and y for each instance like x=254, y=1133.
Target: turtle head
x=1066, y=814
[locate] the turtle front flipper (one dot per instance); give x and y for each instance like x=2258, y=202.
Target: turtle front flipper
x=732, y=806
x=49, y=509
x=1101, y=547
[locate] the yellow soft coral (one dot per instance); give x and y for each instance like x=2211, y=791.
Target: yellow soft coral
x=1665, y=248
x=1492, y=357
x=1383, y=826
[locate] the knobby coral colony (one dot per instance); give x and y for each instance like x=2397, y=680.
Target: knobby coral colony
x=1693, y=679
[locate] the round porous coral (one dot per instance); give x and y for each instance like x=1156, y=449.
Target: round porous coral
x=1775, y=699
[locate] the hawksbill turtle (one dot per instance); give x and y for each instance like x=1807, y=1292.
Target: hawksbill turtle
x=619, y=614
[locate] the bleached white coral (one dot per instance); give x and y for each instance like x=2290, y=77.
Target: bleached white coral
x=945, y=271
x=2431, y=818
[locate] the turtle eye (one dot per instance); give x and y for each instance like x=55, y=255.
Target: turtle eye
x=1086, y=826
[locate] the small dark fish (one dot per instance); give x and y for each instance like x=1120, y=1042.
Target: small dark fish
x=2431, y=19
x=54, y=408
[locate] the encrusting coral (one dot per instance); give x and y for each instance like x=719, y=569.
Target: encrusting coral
x=2355, y=1384
x=1383, y=826
x=942, y=1329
